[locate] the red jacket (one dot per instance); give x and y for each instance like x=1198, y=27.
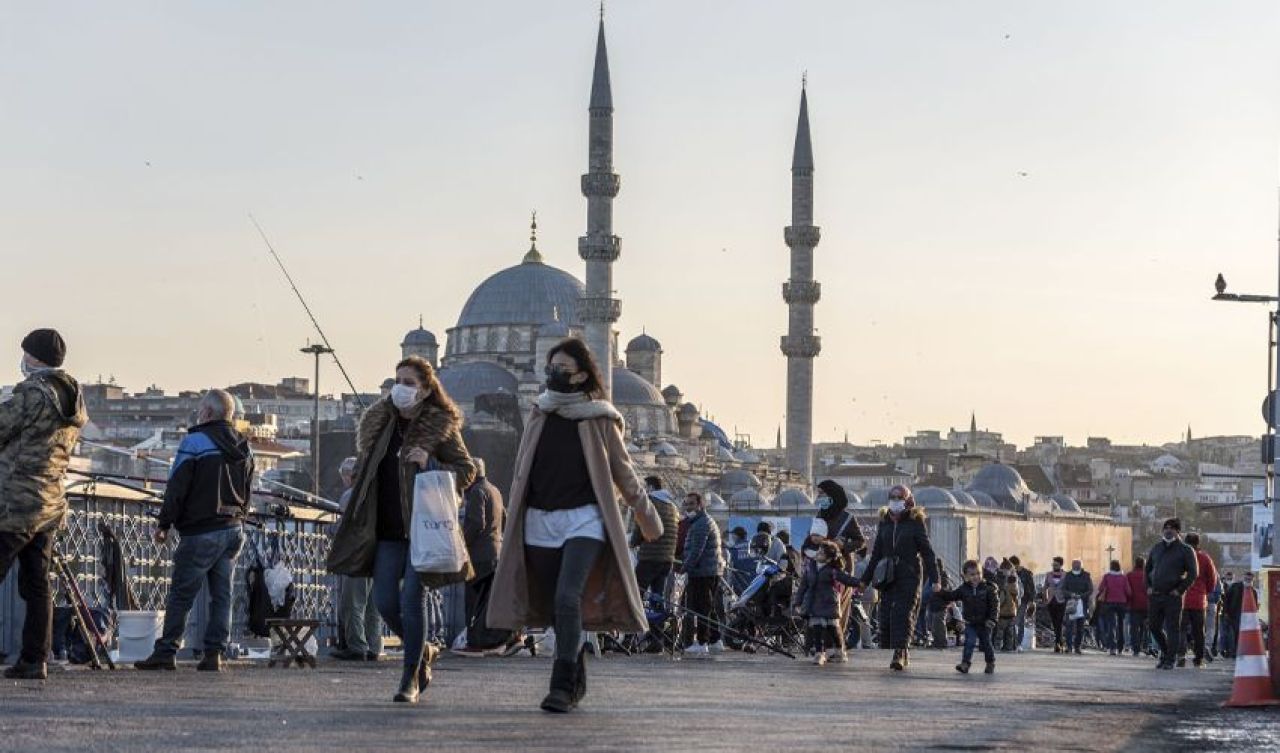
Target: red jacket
x=1197, y=597
x=1137, y=590
x=1115, y=589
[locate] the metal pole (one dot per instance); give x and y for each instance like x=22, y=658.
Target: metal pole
x=1275, y=409
x=316, y=350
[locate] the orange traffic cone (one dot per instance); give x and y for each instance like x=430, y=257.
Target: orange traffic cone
x=1253, y=681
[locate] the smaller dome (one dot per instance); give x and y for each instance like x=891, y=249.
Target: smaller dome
x=629, y=388
x=715, y=501
x=665, y=450
x=747, y=456
x=963, y=498
x=672, y=391
x=419, y=336
x=464, y=382
x=932, y=496
x=1066, y=504
x=792, y=499
x=736, y=480
x=644, y=344
x=747, y=498
x=983, y=499
x=688, y=409
x=876, y=498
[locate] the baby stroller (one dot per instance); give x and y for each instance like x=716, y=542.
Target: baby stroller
x=763, y=611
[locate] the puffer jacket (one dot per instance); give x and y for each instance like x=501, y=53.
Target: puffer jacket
x=1010, y=596
x=211, y=482
x=1171, y=568
x=979, y=603
x=816, y=595
x=39, y=428
x=702, y=553
x=664, y=549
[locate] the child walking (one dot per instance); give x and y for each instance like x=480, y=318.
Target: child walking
x=981, y=607
x=818, y=600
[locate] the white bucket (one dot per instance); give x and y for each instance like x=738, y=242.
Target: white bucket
x=138, y=633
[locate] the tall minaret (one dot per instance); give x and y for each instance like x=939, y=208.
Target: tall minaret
x=599, y=248
x=801, y=292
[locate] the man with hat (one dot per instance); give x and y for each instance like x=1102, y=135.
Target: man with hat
x=39, y=428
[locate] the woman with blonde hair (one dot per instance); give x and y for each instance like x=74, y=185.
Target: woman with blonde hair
x=415, y=428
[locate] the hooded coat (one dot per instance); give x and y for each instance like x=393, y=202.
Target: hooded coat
x=431, y=428
x=907, y=540
x=611, y=598
x=39, y=428
x=841, y=524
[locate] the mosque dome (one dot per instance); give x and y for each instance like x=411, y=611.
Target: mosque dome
x=715, y=501
x=629, y=388
x=735, y=480
x=792, y=499
x=528, y=293
x=644, y=344
x=876, y=498
x=1003, y=484
x=748, y=498
x=466, y=381
x=963, y=498
x=665, y=450
x=932, y=496
x=419, y=337
x=1067, y=504
x=983, y=499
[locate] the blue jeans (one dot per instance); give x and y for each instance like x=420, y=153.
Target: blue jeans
x=1075, y=633
x=1112, y=624
x=401, y=597
x=202, y=557
x=980, y=635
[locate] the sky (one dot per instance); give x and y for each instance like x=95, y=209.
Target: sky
x=1023, y=205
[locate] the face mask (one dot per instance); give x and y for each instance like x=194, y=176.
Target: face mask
x=26, y=370
x=1075, y=571
x=811, y=553
x=896, y=506
x=404, y=397
x=558, y=380
x=824, y=503
x=1169, y=535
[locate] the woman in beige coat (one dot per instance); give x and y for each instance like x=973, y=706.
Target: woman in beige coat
x=565, y=561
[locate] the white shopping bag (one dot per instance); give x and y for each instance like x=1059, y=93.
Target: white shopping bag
x=435, y=538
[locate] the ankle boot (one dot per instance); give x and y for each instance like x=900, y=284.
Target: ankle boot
x=580, y=677
x=896, y=664
x=563, y=683
x=408, y=692
x=22, y=670
x=429, y=654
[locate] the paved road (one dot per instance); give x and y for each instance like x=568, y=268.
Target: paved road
x=1036, y=701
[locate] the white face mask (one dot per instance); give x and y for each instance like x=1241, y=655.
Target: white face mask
x=404, y=397
x=896, y=506
x=1075, y=570
x=1169, y=535
x=26, y=370
x=811, y=553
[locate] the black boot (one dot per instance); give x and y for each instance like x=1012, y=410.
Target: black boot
x=212, y=662
x=157, y=661
x=580, y=677
x=27, y=671
x=563, y=684
x=897, y=664
x=408, y=692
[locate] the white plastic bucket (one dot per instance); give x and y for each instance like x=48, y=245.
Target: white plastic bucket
x=138, y=633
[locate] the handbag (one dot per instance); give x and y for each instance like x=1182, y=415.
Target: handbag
x=887, y=568
x=435, y=537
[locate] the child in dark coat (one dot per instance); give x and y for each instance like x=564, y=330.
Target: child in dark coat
x=981, y=608
x=818, y=599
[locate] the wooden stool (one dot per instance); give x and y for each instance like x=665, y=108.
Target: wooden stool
x=292, y=636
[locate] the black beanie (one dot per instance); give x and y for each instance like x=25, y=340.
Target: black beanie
x=46, y=346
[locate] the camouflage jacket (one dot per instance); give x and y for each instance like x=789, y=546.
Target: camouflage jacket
x=39, y=428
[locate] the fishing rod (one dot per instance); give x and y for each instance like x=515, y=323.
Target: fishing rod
x=725, y=629
x=324, y=338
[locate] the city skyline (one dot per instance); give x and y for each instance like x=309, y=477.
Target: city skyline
x=1019, y=217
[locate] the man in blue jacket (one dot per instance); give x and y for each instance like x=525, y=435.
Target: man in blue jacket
x=703, y=565
x=206, y=500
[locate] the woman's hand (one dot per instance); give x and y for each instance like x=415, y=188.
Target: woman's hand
x=937, y=587
x=418, y=457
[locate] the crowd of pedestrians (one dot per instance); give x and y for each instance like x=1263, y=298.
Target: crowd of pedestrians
x=558, y=555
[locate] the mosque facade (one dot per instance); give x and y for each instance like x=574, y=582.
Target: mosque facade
x=492, y=359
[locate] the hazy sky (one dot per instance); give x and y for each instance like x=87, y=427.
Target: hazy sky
x=393, y=151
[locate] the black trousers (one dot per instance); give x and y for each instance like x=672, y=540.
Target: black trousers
x=1057, y=610
x=557, y=578
x=1194, y=621
x=652, y=575
x=1164, y=617
x=698, y=594
x=1138, y=631
x=33, y=553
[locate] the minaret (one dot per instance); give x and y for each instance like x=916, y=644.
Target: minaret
x=801, y=292
x=599, y=248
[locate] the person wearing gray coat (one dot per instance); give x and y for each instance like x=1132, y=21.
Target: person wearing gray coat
x=703, y=564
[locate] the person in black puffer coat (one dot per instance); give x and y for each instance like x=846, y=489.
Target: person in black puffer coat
x=903, y=536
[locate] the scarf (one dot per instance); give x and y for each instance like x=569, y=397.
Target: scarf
x=576, y=406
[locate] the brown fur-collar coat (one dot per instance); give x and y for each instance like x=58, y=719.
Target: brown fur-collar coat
x=431, y=428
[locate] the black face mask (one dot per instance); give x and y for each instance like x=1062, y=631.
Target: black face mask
x=558, y=380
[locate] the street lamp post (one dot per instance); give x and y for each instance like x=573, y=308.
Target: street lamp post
x=316, y=350
x=1273, y=374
